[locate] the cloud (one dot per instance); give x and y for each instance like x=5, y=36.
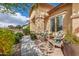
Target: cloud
x=3, y=24
x=9, y=19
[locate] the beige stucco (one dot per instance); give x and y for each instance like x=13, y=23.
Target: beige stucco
x=66, y=20
x=75, y=24
x=75, y=16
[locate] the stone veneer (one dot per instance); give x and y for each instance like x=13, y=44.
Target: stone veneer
x=38, y=26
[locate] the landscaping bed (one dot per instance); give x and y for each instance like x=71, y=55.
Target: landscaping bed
x=71, y=45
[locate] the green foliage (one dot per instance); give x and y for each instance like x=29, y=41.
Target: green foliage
x=26, y=30
x=18, y=36
x=14, y=7
x=18, y=27
x=7, y=40
x=11, y=27
x=33, y=36
x=71, y=38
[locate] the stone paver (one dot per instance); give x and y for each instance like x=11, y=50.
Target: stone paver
x=50, y=50
x=38, y=48
x=56, y=52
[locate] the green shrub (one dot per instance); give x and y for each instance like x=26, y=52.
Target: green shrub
x=71, y=38
x=18, y=36
x=26, y=30
x=7, y=40
x=33, y=36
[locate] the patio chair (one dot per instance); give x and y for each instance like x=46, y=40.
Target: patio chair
x=58, y=39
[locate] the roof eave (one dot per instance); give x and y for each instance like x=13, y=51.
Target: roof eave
x=54, y=9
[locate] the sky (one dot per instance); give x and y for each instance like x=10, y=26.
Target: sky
x=9, y=19
x=27, y=12
x=21, y=18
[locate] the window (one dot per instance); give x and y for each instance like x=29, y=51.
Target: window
x=59, y=22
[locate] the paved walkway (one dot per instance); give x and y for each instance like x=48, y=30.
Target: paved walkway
x=56, y=52
x=17, y=49
x=28, y=48
x=38, y=48
x=49, y=50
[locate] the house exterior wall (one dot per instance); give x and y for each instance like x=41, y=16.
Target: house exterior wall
x=75, y=18
x=36, y=23
x=67, y=20
x=40, y=22
x=48, y=26
x=75, y=24
x=39, y=14
x=32, y=26
x=32, y=21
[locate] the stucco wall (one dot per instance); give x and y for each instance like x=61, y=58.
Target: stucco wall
x=75, y=7
x=75, y=24
x=75, y=18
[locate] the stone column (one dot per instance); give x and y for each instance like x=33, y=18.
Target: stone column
x=39, y=21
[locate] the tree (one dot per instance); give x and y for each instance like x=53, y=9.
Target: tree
x=15, y=7
x=18, y=27
x=18, y=37
x=11, y=26
x=26, y=30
